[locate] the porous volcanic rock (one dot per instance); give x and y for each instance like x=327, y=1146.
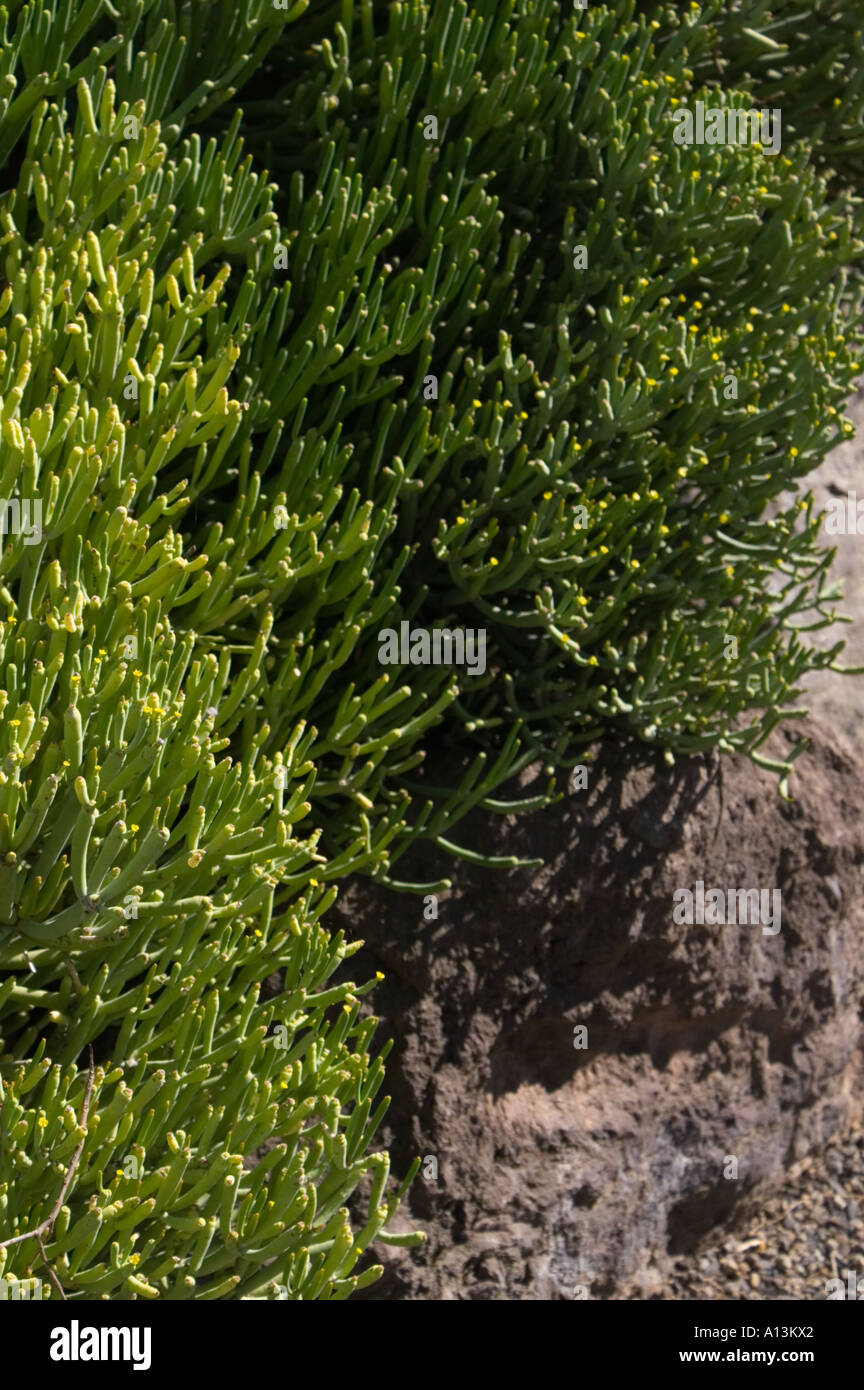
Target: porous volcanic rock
x=564, y=1169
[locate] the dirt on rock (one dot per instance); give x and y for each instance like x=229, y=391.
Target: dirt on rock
x=562, y=1163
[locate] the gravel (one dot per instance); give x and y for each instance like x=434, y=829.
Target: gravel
x=810, y=1231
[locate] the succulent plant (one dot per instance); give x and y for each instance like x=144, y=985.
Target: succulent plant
x=467, y=343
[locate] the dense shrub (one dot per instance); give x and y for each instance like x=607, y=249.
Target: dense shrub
x=221, y=390
x=806, y=58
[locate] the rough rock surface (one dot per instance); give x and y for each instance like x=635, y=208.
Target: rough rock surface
x=839, y=700
x=560, y=1167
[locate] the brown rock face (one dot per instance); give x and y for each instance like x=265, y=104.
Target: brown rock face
x=715, y=1056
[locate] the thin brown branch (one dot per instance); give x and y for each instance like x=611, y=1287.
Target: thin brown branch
x=51, y=1275
x=46, y=1227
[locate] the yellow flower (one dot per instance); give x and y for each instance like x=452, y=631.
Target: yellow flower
x=137, y=673
x=477, y=404
x=42, y=1122
x=461, y=521
x=794, y=452
x=134, y=1259
x=547, y=496
x=133, y=828
x=493, y=561
x=592, y=661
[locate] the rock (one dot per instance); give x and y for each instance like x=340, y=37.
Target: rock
x=711, y=1049
x=839, y=700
